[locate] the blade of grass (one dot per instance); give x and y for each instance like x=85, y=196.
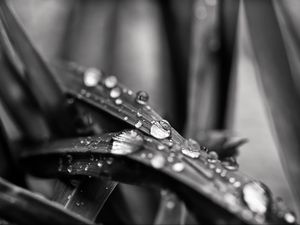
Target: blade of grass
x=22, y=207
x=51, y=101
x=278, y=85
x=195, y=184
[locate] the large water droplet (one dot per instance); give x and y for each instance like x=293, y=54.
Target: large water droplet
x=257, y=197
x=160, y=129
x=91, y=77
x=127, y=142
x=110, y=82
x=142, y=97
x=158, y=161
x=178, y=167
x=115, y=92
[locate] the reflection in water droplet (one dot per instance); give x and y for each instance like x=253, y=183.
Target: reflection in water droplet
x=138, y=124
x=91, y=77
x=158, y=161
x=178, y=167
x=161, y=129
x=257, y=197
x=110, y=81
x=115, y=92
x=127, y=142
x=142, y=97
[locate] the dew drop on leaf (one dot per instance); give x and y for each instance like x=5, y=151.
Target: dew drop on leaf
x=110, y=82
x=91, y=77
x=142, y=97
x=160, y=129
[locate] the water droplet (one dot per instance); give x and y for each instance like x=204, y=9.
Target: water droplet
x=230, y=164
x=178, y=167
x=161, y=129
x=118, y=101
x=212, y=157
x=130, y=92
x=99, y=164
x=139, y=114
x=91, y=77
x=115, y=92
x=70, y=168
x=170, y=204
x=127, y=142
x=138, y=124
x=161, y=147
x=109, y=161
x=290, y=217
x=237, y=184
x=110, y=82
x=192, y=149
x=86, y=168
x=142, y=97
x=126, y=118
x=257, y=197
x=158, y=161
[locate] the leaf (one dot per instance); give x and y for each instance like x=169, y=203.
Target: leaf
x=201, y=186
x=22, y=207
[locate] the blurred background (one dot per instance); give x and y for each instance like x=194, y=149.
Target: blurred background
x=193, y=57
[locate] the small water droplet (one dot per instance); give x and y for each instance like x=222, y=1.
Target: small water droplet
x=212, y=157
x=86, y=168
x=161, y=147
x=237, y=184
x=115, y=92
x=70, y=169
x=99, y=164
x=126, y=118
x=158, y=161
x=91, y=77
x=170, y=204
x=290, y=217
x=178, y=167
x=139, y=114
x=110, y=82
x=138, y=124
x=142, y=97
x=161, y=129
x=118, y=101
x=130, y=92
x=230, y=164
x=109, y=161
